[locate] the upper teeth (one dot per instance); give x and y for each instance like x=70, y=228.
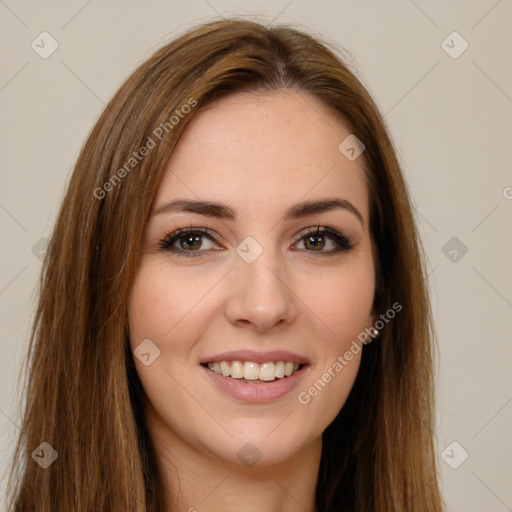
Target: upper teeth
x=254, y=371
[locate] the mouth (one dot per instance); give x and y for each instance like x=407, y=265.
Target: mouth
x=251, y=372
x=276, y=374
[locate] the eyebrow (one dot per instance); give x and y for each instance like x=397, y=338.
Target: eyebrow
x=222, y=211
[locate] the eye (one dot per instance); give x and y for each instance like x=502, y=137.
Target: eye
x=187, y=241
x=317, y=240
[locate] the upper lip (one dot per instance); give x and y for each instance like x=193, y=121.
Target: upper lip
x=256, y=357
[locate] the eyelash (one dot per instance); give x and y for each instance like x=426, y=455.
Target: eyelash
x=344, y=243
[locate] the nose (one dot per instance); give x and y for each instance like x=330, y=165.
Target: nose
x=259, y=295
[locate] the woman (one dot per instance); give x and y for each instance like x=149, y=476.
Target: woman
x=232, y=309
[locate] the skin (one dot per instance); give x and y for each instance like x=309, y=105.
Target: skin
x=259, y=154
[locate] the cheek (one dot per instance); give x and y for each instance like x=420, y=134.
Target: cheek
x=160, y=308
x=149, y=312
x=160, y=302
x=343, y=306
x=342, y=302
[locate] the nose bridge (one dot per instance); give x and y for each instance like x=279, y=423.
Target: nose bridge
x=259, y=294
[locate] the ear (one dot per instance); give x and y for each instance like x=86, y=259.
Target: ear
x=371, y=329
x=372, y=318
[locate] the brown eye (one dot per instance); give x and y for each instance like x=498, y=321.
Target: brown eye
x=318, y=240
x=187, y=242
x=190, y=241
x=314, y=242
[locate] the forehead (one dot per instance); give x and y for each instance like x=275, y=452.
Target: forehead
x=264, y=152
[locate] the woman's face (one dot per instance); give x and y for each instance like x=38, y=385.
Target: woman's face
x=260, y=289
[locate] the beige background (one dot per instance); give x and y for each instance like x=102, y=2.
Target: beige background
x=450, y=119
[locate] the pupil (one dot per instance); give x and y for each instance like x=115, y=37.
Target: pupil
x=314, y=241
x=192, y=240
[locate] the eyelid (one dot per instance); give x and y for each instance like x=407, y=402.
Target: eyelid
x=314, y=230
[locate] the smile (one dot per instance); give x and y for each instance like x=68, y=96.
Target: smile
x=254, y=373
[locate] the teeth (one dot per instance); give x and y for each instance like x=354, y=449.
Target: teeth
x=237, y=370
x=280, y=369
x=251, y=371
x=224, y=368
x=267, y=371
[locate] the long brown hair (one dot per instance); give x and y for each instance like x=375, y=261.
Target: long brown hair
x=83, y=395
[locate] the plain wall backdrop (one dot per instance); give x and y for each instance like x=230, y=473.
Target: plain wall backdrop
x=441, y=74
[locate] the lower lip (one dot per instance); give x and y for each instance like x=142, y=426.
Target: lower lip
x=257, y=393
